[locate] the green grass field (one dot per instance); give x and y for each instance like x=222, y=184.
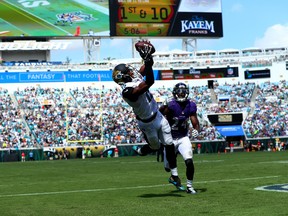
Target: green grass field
x=138, y=186
x=39, y=18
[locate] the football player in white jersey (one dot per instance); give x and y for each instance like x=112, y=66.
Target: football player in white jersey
x=179, y=111
x=135, y=91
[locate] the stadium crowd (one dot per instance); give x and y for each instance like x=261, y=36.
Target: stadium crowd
x=36, y=116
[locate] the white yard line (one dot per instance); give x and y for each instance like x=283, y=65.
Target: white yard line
x=33, y=15
x=269, y=162
x=153, y=161
x=128, y=188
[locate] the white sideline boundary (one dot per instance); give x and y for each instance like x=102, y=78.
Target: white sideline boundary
x=128, y=188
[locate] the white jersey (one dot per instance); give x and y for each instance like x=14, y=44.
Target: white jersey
x=145, y=106
x=150, y=121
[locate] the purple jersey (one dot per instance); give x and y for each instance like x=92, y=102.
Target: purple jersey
x=179, y=116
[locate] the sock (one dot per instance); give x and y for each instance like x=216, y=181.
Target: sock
x=189, y=183
x=174, y=171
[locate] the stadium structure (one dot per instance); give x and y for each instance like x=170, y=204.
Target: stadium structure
x=58, y=110
x=31, y=84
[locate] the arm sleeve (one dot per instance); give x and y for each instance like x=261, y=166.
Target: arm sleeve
x=149, y=72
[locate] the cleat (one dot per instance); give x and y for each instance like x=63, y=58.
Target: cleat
x=136, y=149
x=167, y=169
x=175, y=180
x=191, y=190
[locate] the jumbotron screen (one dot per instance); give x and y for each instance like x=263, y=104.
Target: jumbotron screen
x=54, y=18
x=159, y=18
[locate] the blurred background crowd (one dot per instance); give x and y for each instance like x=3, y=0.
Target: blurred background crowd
x=43, y=117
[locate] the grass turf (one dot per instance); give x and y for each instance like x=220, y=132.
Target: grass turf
x=139, y=186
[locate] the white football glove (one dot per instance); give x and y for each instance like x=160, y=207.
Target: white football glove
x=194, y=133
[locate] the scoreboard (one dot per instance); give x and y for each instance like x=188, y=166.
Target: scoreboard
x=177, y=18
x=147, y=18
x=111, y=18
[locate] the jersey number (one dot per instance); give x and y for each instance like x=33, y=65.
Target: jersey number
x=176, y=125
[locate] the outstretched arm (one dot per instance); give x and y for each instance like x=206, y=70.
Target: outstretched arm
x=146, y=84
x=145, y=49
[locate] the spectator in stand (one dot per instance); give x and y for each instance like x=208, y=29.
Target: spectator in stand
x=199, y=148
x=31, y=156
x=23, y=156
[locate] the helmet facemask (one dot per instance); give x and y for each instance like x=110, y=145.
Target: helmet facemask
x=181, y=92
x=135, y=74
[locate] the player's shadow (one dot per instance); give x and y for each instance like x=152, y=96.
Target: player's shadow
x=175, y=193
x=201, y=190
x=171, y=194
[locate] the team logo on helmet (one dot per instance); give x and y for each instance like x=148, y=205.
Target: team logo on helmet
x=124, y=73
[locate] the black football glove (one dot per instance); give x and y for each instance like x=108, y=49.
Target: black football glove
x=149, y=61
x=145, y=49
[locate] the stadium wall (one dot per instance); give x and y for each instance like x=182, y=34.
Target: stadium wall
x=15, y=79
x=24, y=55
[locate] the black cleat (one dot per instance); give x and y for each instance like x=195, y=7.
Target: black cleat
x=175, y=180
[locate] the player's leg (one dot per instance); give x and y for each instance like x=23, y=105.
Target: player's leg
x=185, y=149
x=151, y=137
x=167, y=140
x=170, y=154
x=166, y=164
x=190, y=175
x=144, y=150
x=174, y=178
x=160, y=153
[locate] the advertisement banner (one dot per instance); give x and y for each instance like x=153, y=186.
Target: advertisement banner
x=257, y=74
x=41, y=77
x=167, y=74
x=231, y=130
x=200, y=73
x=67, y=76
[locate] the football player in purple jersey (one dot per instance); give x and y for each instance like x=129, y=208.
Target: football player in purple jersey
x=179, y=111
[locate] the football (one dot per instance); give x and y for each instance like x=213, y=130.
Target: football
x=145, y=48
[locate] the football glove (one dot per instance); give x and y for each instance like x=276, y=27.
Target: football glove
x=145, y=49
x=194, y=133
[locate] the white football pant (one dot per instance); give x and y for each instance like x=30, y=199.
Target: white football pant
x=158, y=129
x=184, y=147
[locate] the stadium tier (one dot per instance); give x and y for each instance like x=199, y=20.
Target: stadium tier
x=257, y=65
x=53, y=104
